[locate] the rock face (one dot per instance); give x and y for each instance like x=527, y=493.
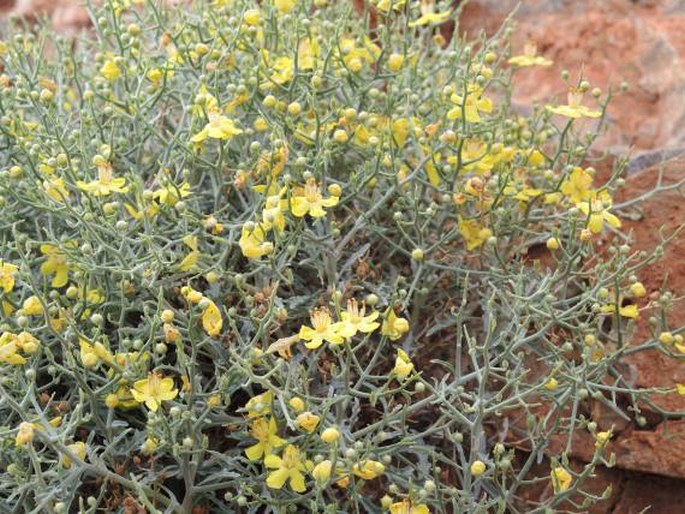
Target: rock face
x=641, y=42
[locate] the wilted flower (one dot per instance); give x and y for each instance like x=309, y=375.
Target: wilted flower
x=394, y=327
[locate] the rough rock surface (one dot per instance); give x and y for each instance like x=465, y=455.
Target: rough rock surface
x=641, y=42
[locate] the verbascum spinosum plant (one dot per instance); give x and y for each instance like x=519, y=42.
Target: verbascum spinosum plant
x=257, y=257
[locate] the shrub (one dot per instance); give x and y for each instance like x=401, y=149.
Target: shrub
x=259, y=258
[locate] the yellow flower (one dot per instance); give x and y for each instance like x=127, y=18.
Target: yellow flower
x=272, y=214
x=171, y=194
x=561, y=479
x=551, y=384
x=322, y=471
x=78, y=449
x=211, y=319
x=56, y=189
x=666, y=338
x=91, y=354
x=283, y=346
x=121, y=399
x=153, y=390
x=353, y=320
x=474, y=234
x=394, y=327
x=627, y=311
x=597, y=211
x=324, y=329
x=395, y=62
x=680, y=389
x=309, y=200
x=259, y=405
x=9, y=349
x=475, y=156
x=308, y=421
x=330, y=435
x=284, y=6
x=478, y=467
x=354, y=56
x=428, y=16
x=252, y=242
x=638, y=290
x=408, y=507
x=24, y=434
x=32, y=306
x=252, y=17
x=264, y=431
x=7, y=272
x=403, y=366
x=574, y=109
x=219, y=127
x=149, y=446
x=368, y=469
x=27, y=343
x=105, y=184
x=287, y=468
x=56, y=263
x=470, y=108
x=577, y=185
x=297, y=404
x=529, y=58
x=386, y=5
x=110, y=71
x=602, y=438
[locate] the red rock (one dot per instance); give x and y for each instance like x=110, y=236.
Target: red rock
x=610, y=41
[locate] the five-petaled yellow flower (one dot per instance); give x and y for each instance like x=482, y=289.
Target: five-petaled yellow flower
x=529, y=58
x=574, y=109
x=218, y=127
x=473, y=233
x=56, y=263
x=354, y=320
x=106, y=184
x=577, y=185
x=309, y=200
x=597, y=211
x=264, y=431
x=471, y=106
x=289, y=468
x=324, y=329
x=154, y=390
